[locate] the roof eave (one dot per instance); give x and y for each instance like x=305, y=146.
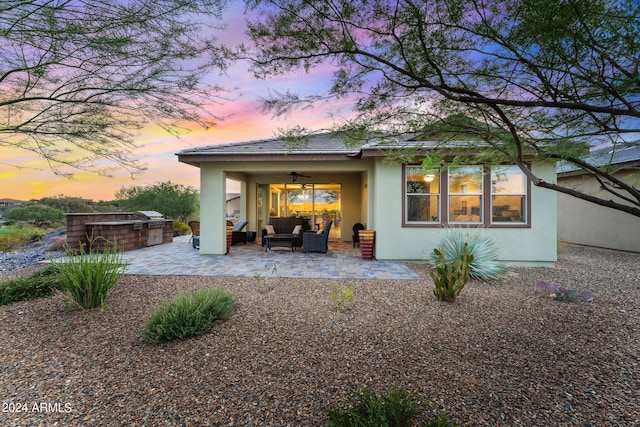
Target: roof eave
x=196, y=159
x=448, y=153
x=619, y=166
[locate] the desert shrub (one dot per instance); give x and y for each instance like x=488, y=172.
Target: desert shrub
x=342, y=296
x=12, y=236
x=395, y=409
x=188, y=315
x=180, y=228
x=442, y=421
x=87, y=277
x=9, y=242
x=40, y=284
x=35, y=212
x=485, y=265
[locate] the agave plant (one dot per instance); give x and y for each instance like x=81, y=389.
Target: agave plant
x=485, y=265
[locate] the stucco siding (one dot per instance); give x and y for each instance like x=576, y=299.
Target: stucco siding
x=372, y=194
x=212, y=210
x=522, y=246
x=586, y=223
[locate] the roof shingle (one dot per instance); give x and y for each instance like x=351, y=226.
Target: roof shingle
x=605, y=156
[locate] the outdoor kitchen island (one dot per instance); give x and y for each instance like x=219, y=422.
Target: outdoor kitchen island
x=124, y=230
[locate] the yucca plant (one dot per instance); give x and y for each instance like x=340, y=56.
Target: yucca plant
x=485, y=265
x=87, y=277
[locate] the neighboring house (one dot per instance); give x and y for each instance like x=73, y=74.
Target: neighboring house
x=585, y=223
x=322, y=179
x=233, y=205
x=10, y=203
x=7, y=204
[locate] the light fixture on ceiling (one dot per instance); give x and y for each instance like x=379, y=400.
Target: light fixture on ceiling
x=428, y=178
x=293, y=176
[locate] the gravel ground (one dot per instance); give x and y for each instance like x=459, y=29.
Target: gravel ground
x=32, y=253
x=503, y=354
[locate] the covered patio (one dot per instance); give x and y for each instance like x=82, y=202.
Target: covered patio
x=341, y=262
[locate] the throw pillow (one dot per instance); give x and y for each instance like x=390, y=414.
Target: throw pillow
x=320, y=231
x=296, y=229
x=270, y=229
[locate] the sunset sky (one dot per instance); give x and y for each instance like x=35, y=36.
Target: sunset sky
x=26, y=177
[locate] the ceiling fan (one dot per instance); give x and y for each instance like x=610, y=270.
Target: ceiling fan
x=293, y=176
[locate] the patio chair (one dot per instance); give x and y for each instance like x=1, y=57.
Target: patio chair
x=195, y=229
x=356, y=237
x=237, y=235
x=317, y=242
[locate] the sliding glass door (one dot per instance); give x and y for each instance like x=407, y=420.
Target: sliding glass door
x=318, y=203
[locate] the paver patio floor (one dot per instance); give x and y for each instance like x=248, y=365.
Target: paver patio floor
x=341, y=262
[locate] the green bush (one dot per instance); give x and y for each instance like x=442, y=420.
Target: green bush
x=176, y=201
x=42, y=283
x=188, y=315
x=442, y=421
x=485, y=265
x=180, y=228
x=342, y=296
x=87, y=277
x=396, y=409
x=35, y=212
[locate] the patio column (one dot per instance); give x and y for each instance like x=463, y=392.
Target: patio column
x=213, y=210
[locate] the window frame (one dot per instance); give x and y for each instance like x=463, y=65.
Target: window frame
x=405, y=195
x=481, y=194
x=526, y=194
x=486, y=203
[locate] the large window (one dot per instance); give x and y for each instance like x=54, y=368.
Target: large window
x=466, y=195
x=422, y=195
x=315, y=203
x=508, y=194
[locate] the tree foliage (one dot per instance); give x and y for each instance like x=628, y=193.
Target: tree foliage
x=66, y=204
x=531, y=77
x=176, y=201
x=78, y=79
x=35, y=212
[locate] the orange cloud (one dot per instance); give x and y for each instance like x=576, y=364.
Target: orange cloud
x=25, y=176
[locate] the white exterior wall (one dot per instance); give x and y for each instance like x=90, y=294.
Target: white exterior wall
x=519, y=246
x=586, y=223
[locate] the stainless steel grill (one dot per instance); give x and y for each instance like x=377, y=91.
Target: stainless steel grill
x=154, y=221
x=147, y=215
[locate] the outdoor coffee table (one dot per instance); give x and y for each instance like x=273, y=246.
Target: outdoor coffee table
x=280, y=240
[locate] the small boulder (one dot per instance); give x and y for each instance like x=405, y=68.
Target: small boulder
x=57, y=244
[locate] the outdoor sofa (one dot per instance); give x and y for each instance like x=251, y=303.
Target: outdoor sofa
x=286, y=225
